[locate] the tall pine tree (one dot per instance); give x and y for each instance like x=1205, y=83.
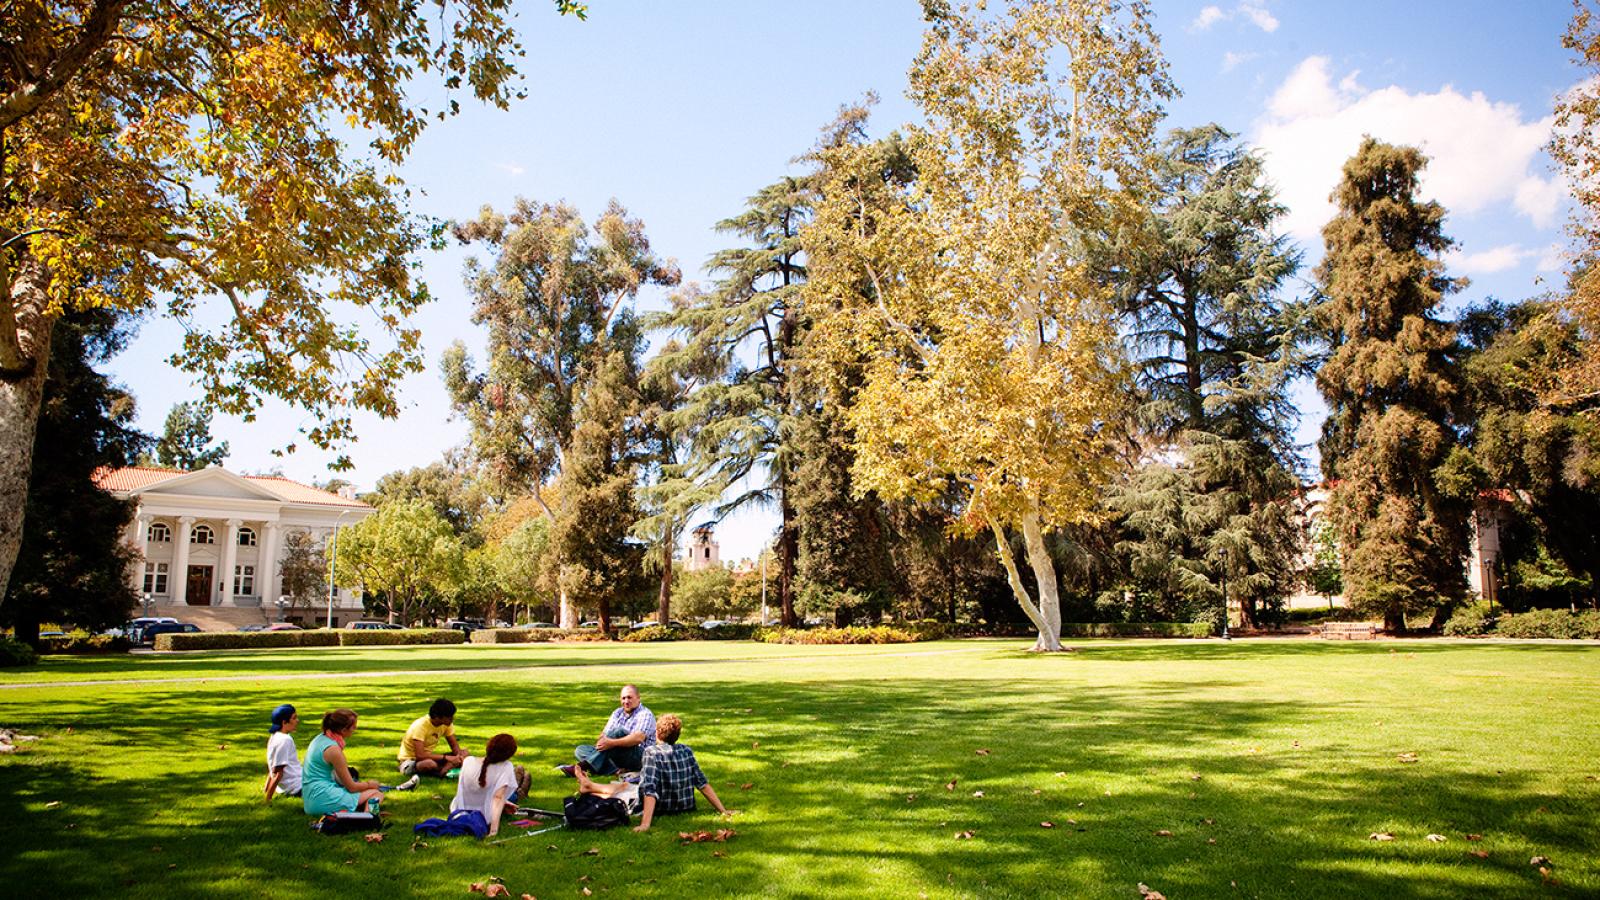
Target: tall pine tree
x=1391, y=390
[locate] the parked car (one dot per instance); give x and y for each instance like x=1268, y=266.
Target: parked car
x=526, y=625
x=148, y=635
x=712, y=623
x=646, y=623
x=284, y=626
x=373, y=625
x=257, y=626
x=589, y=624
x=137, y=626
x=465, y=626
x=45, y=634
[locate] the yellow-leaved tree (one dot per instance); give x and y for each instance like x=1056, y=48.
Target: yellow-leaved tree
x=1575, y=146
x=958, y=294
x=176, y=152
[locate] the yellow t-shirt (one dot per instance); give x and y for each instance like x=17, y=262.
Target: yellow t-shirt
x=425, y=731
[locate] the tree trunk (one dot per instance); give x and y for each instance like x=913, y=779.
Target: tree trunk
x=24, y=359
x=605, y=616
x=788, y=550
x=664, y=598
x=569, y=615
x=1044, y=572
x=1048, y=639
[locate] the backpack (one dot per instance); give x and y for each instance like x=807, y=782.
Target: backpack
x=348, y=822
x=586, y=812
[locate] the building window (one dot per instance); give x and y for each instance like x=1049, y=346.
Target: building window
x=202, y=535
x=708, y=553
x=244, y=581
x=247, y=537
x=159, y=533
x=155, y=578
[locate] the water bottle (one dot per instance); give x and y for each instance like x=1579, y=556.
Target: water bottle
x=372, y=805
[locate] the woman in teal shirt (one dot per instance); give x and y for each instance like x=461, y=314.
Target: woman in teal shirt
x=328, y=786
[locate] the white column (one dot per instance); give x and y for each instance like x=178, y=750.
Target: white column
x=230, y=558
x=141, y=543
x=267, y=566
x=178, y=577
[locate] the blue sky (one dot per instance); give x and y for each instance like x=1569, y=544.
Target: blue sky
x=681, y=110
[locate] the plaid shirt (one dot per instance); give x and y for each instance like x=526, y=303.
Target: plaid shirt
x=671, y=775
x=642, y=719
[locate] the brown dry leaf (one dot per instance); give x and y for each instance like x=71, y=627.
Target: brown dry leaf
x=222, y=746
x=53, y=804
x=964, y=835
x=1148, y=893
x=1539, y=861
x=977, y=793
x=1047, y=824
x=496, y=890
x=1208, y=821
x=588, y=893
x=1037, y=792
x=718, y=854
x=1195, y=777
x=1072, y=821
x=375, y=838
x=583, y=878
x=1481, y=854
x=1435, y=838
x=1407, y=757
x=475, y=888
x=951, y=786
x=724, y=833
x=529, y=897
x=592, y=851
x=1163, y=833
x=747, y=785
x=754, y=744
x=1380, y=836
x=1474, y=837
x=983, y=752
x=1061, y=774
x=1211, y=840
x=911, y=798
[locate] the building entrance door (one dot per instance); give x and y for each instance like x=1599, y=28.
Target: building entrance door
x=197, y=591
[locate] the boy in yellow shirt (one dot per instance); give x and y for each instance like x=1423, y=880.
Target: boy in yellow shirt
x=417, y=756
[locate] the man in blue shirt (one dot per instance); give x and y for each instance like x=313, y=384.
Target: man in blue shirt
x=621, y=745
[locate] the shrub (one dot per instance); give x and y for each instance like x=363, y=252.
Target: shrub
x=534, y=635
x=1549, y=623
x=15, y=653
x=244, y=640
x=87, y=643
x=1470, y=621
x=903, y=633
x=1138, y=629
x=390, y=637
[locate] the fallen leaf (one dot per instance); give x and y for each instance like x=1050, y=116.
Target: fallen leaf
x=1539, y=861
x=1148, y=893
x=375, y=838
x=175, y=865
x=1080, y=805
x=1380, y=836
x=475, y=888
x=1474, y=837
x=1061, y=774
x=963, y=835
x=1407, y=757
x=496, y=890
x=1047, y=824
x=529, y=897
x=222, y=746
x=977, y=793
x=719, y=854
x=1194, y=777
x=1072, y=821
x=592, y=851
x=1435, y=838
x=1296, y=743
x=911, y=798
x=983, y=752
x=1211, y=840
x=1037, y=792
x=1208, y=821
x=754, y=744
x=583, y=878
x=1481, y=854
x=951, y=786
x=1163, y=833
x=53, y=804
x=588, y=893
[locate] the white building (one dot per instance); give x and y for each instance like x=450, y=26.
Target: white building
x=703, y=550
x=212, y=541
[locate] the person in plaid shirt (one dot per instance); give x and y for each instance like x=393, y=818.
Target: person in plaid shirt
x=628, y=733
x=670, y=776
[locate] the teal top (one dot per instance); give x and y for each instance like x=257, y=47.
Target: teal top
x=320, y=789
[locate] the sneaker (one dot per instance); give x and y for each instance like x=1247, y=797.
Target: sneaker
x=408, y=767
x=569, y=770
x=409, y=783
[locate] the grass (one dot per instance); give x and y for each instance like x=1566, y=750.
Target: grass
x=1269, y=762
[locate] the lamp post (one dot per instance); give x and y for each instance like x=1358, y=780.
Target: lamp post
x=147, y=604
x=283, y=606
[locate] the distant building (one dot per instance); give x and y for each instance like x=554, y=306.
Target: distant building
x=703, y=551
x=211, y=541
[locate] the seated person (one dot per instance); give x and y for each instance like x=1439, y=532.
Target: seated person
x=668, y=781
x=283, y=760
x=329, y=785
x=489, y=783
x=621, y=745
x=417, y=756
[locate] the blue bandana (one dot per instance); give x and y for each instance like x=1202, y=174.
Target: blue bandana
x=281, y=717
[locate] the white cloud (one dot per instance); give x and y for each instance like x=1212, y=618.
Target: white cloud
x=1482, y=153
x=1232, y=60
x=1488, y=262
x=1552, y=259
x=1259, y=16
x=1251, y=10
x=1208, y=17
x=510, y=168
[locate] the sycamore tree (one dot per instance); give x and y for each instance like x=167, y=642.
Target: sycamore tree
x=994, y=362
x=1575, y=146
x=556, y=304
x=406, y=552
x=194, y=155
x=1392, y=390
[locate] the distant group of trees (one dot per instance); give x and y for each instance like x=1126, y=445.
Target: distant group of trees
x=1029, y=360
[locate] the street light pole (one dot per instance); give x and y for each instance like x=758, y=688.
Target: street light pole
x=763, y=587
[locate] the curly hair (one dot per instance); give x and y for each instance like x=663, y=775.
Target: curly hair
x=668, y=727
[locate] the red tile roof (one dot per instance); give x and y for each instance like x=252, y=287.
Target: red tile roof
x=132, y=478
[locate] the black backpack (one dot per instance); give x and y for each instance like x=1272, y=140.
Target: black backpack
x=586, y=812
x=348, y=823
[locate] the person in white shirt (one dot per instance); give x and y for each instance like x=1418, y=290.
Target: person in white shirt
x=283, y=760
x=489, y=783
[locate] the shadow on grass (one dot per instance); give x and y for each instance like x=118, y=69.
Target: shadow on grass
x=847, y=795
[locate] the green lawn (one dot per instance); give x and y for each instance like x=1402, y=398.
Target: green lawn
x=1268, y=762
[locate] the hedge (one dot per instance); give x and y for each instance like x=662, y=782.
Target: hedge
x=904, y=633
x=15, y=653
x=388, y=637
x=1538, y=623
x=1138, y=629
x=322, y=637
x=519, y=635
x=87, y=643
